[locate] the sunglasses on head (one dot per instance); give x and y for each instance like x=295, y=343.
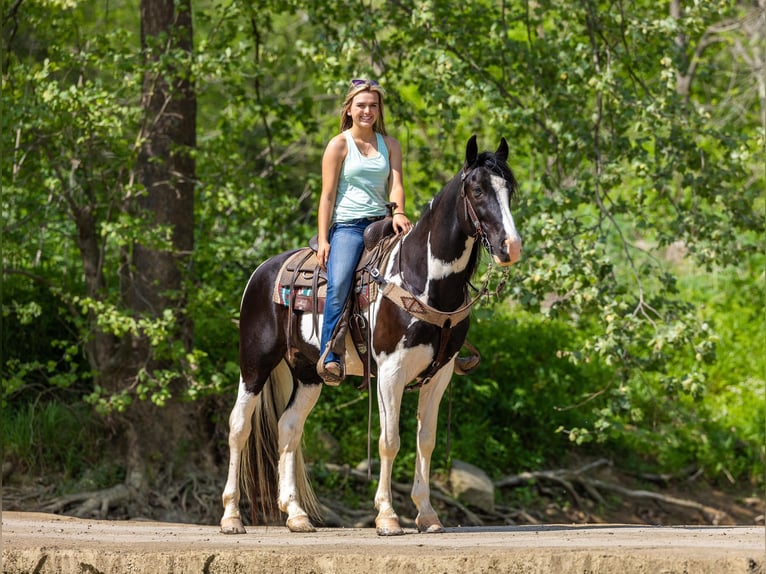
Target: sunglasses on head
x=362, y=82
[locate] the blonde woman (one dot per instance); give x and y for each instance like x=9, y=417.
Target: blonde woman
x=361, y=175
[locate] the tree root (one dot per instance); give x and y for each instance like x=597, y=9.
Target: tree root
x=571, y=480
x=94, y=504
x=195, y=499
x=576, y=483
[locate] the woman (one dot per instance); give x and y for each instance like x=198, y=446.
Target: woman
x=359, y=166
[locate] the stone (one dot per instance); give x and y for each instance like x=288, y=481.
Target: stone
x=472, y=486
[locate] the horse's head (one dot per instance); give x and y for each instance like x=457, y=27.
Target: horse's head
x=487, y=186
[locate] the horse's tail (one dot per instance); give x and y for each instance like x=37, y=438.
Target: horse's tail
x=260, y=458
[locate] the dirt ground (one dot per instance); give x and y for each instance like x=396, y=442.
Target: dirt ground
x=43, y=543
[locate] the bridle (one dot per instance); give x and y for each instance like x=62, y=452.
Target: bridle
x=437, y=317
x=471, y=215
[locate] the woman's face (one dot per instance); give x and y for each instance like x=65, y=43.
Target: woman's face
x=365, y=109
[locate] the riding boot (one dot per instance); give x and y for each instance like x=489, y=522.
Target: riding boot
x=333, y=371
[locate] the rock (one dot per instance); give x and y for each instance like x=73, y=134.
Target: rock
x=362, y=466
x=471, y=486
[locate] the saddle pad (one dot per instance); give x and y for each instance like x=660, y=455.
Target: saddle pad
x=296, y=279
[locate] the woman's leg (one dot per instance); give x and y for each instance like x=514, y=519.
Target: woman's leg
x=346, y=246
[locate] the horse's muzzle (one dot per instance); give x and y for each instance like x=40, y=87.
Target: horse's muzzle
x=512, y=247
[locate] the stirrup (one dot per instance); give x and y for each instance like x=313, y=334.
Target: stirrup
x=330, y=377
x=466, y=364
x=332, y=373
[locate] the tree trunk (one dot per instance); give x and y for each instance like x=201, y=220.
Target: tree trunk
x=153, y=273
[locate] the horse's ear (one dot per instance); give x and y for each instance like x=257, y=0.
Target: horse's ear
x=502, y=150
x=471, y=152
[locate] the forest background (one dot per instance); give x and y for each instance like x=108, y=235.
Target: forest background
x=154, y=153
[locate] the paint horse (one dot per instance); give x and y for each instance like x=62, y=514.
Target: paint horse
x=418, y=322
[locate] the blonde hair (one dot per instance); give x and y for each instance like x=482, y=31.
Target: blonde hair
x=357, y=87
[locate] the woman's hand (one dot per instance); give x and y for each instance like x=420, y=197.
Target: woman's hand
x=401, y=223
x=323, y=254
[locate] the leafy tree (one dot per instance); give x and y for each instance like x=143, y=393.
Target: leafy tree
x=625, y=148
x=636, y=130
x=104, y=140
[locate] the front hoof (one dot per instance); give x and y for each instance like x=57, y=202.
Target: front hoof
x=388, y=527
x=300, y=524
x=432, y=526
x=232, y=526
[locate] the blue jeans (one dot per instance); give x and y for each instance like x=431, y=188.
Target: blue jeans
x=346, y=246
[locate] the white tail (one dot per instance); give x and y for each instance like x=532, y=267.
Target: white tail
x=260, y=459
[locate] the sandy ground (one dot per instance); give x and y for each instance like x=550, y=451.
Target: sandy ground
x=42, y=543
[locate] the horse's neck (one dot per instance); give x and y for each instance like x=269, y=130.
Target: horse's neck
x=437, y=256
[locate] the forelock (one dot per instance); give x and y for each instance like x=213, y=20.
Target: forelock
x=489, y=161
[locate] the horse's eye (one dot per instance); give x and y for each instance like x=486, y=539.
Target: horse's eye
x=477, y=191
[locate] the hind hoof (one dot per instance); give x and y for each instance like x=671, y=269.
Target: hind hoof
x=388, y=527
x=232, y=526
x=300, y=524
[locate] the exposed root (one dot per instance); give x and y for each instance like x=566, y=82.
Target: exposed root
x=94, y=504
x=193, y=500
x=572, y=480
x=578, y=485
x=581, y=495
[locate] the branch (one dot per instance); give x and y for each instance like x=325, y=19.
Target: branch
x=571, y=478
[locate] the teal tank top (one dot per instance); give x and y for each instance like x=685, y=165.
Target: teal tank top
x=362, y=185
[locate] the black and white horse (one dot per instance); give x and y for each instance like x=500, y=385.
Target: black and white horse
x=279, y=386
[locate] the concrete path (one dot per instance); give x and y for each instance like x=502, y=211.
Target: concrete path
x=43, y=543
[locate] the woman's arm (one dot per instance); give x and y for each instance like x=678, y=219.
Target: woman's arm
x=396, y=187
x=332, y=160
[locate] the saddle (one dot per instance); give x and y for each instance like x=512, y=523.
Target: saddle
x=301, y=285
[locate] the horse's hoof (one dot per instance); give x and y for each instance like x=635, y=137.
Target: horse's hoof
x=300, y=524
x=432, y=526
x=232, y=526
x=433, y=529
x=388, y=527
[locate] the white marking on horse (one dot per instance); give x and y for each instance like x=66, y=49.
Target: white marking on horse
x=439, y=269
x=239, y=431
x=513, y=242
x=395, y=370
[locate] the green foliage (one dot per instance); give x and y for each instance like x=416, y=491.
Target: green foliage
x=525, y=389
x=49, y=438
x=632, y=133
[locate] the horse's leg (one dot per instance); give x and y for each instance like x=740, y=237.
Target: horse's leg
x=239, y=431
x=291, y=425
x=428, y=412
x=390, y=390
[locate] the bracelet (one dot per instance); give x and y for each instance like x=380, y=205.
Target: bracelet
x=400, y=213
